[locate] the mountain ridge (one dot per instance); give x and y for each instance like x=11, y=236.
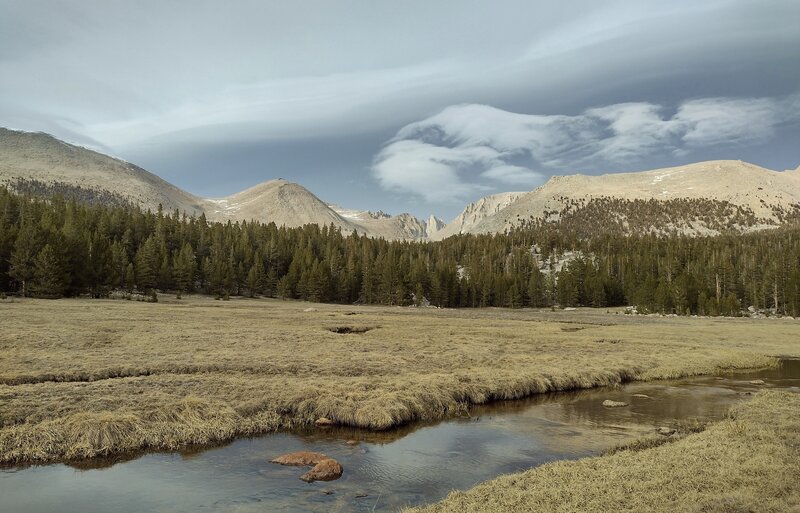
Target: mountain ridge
x=40, y=157
x=761, y=190
x=31, y=155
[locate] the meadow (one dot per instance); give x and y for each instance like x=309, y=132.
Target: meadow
x=84, y=378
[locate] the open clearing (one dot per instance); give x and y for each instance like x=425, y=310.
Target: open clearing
x=86, y=378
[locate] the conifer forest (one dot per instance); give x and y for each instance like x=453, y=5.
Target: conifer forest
x=58, y=247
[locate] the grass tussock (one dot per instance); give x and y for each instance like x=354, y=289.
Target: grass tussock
x=747, y=463
x=82, y=379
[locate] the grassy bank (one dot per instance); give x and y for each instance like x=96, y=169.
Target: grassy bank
x=81, y=378
x=747, y=463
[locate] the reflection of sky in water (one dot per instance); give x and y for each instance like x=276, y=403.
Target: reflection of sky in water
x=422, y=466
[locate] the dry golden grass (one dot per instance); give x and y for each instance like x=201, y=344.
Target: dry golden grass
x=745, y=464
x=89, y=378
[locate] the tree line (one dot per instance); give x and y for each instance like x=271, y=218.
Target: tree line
x=59, y=247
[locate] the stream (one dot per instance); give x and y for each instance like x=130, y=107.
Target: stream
x=412, y=465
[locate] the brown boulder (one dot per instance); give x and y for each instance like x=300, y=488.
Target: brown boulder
x=300, y=459
x=326, y=470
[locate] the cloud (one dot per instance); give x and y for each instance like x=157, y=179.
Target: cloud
x=716, y=121
x=430, y=171
x=273, y=109
x=468, y=148
x=634, y=129
x=515, y=175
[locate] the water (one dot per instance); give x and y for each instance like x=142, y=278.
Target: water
x=385, y=471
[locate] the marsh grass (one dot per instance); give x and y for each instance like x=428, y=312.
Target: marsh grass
x=749, y=462
x=84, y=379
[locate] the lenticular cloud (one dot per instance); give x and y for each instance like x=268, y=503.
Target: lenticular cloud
x=469, y=148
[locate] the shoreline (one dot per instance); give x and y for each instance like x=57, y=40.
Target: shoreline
x=746, y=462
x=116, y=455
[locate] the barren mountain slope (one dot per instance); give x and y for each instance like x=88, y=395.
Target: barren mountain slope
x=398, y=227
x=278, y=201
x=290, y=204
x=475, y=213
x=43, y=158
x=381, y=224
x=433, y=226
x=44, y=161
x=734, y=181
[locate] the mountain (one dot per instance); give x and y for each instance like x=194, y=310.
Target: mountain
x=768, y=195
x=40, y=161
x=475, y=213
x=278, y=201
x=289, y=204
x=381, y=224
x=41, y=164
x=433, y=226
x=697, y=199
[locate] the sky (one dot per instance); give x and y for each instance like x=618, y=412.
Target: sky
x=412, y=106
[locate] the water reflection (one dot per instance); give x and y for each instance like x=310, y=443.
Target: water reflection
x=384, y=471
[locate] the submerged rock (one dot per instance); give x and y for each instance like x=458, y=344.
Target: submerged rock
x=300, y=459
x=613, y=404
x=666, y=431
x=757, y=382
x=641, y=396
x=326, y=470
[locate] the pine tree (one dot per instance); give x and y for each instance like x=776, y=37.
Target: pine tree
x=73, y=243
x=183, y=268
x=130, y=278
x=567, y=287
x=26, y=248
x=255, y=279
x=99, y=270
x=419, y=294
x=165, y=272
x=8, y=235
x=284, y=288
x=147, y=265
x=119, y=265
x=51, y=275
x=513, y=296
x=730, y=305
x=367, y=292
